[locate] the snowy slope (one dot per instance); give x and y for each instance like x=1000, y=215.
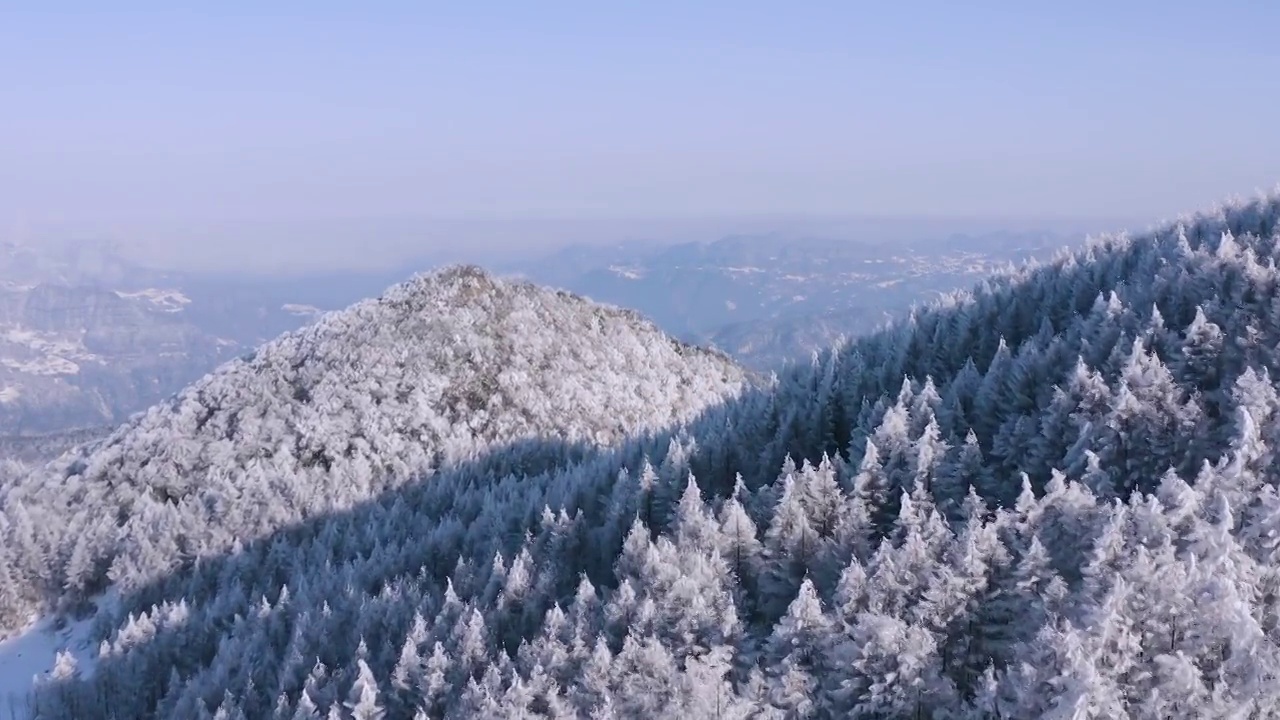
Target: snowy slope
x=32, y=653
x=447, y=369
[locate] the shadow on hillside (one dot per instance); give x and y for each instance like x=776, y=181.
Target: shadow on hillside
x=139, y=678
x=460, y=496
x=521, y=478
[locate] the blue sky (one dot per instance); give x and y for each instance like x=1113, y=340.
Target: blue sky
x=155, y=122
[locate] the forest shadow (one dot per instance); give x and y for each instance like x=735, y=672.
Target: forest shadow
x=522, y=478
x=531, y=471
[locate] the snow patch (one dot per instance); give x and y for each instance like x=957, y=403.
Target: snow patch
x=50, y=366
x=730, y=305
x=54, y=348
x=32, y=652
x=166, y=300
x=9, y=394
x=888, y=283
x=302, y=310
x=21, y=336
x=630, y=273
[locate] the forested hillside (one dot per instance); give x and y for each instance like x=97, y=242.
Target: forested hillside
x=443, y=370
x=1053, y=496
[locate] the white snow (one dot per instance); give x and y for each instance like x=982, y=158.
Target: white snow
x=51, y=365
x=21, y=336
x=730, y=305
x=9, y=394
x=32, y=653
x=888, y=283
x=44, y=343
x=626, y=272
x=41, y=353
x=301, y=310
x=166, y=300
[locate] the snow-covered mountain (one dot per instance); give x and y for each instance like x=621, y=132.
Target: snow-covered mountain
x=88, y=338
x=1054, y=495
x=438, y=372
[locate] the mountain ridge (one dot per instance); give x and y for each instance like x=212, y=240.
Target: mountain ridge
x=167, y=328
x=767, y=299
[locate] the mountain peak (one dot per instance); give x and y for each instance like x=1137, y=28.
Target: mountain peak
x=459, y=281
x=450, y=367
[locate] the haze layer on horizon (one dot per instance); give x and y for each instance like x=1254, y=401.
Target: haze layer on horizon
x=302, y=247
x=326, y=134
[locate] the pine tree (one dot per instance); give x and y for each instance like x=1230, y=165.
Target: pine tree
x=409, y=668
x=872, y=487
x=742, y=551
x=791, y=549
x=695, y=528
x=794, y=654
x=962, y=469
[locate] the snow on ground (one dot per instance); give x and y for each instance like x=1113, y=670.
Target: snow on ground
x=42, y=353
x=302, y=310
x=31, y=653
x=49, y=366
x=629, y=273
x=8, y=394
x=166, y=300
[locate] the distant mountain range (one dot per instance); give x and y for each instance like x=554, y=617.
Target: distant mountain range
x=766, y=299
x=87, y=338
x=83, y=345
